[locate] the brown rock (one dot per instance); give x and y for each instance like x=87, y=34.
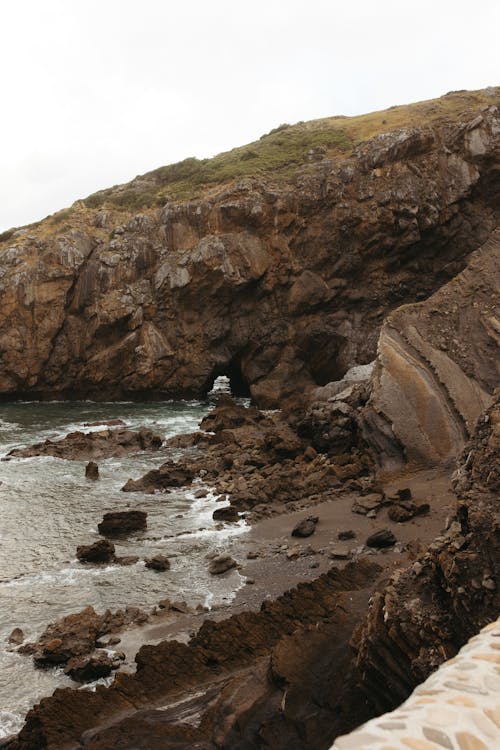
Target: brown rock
x=102, y=551
x=16, y=637
x=85, y=445
x=158, y=562
x=228, y=513
x=92, y=470
x=221, y=564
x=117, y=523
x=306, y=527
x=381, y=538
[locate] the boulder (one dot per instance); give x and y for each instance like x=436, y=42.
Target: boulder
x=221, y=564
x=168, y=475
x=89, y=668
x=121, y=522
x=228, y=513
x=306, y=527
x=92, y=470
x=102, y=551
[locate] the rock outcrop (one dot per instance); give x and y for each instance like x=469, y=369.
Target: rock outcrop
x=84, y=445
x=438, y=365
x=429, y=610
x=281, y=282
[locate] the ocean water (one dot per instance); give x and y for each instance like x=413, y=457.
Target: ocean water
x=48, y=508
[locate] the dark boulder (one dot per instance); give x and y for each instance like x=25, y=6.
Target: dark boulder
x=120, y=522
x=381, y=538
x=306, y=527
x=228, y=513
x=102, y=551
x=90, y=668
x=92, y=470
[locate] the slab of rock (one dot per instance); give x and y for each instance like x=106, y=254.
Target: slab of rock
x=77, y=635
x=121, y=522
x=367, y=503
x=158, y=562
x=168, y=475
x=221, y=564
x=340, y=552
x=381, y=538
x=101, y=551
x=91, y=445
x=306, y=527
x=92, y=470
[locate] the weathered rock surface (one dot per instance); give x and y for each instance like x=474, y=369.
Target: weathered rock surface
x=85, y=445
x=120, y=522
x=249, y=667
x=76, y=635
x=282, y=286
x=438, y=365
x=429, y=610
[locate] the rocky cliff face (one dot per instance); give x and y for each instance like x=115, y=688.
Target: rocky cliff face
x=429, y=610
x=282, y=285
x=438, y=365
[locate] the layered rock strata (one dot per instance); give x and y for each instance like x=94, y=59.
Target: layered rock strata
x=437, y=367
x=281, y=285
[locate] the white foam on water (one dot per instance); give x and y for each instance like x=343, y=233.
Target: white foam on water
x=10, y=723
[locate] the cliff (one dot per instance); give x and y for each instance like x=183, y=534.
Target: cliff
x=277, y=269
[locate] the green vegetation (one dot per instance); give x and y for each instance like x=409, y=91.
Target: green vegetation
x=279, y=151
x=5, y=236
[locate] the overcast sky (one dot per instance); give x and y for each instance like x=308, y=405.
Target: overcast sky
x=98, y=91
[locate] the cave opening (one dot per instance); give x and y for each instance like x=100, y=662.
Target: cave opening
x=229, y=378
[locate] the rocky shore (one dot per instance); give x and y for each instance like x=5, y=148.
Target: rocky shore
x=363, y=302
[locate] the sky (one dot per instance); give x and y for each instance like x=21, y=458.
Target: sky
x=96, y=92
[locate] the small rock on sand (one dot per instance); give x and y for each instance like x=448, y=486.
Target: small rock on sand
x=306, y=527
x=221, y=563
x=381, y=538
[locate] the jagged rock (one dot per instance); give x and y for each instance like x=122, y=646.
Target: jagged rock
x=437, y=368
x=168, y=475
x=122, y=522
x=85, y=445
x=221, y=564
x=158, y=562
x=381, y=538
x=306, y=527
x=92, y=470
x=399, y=514
x=89, y=668
x=367, y=503
x=76, y=635
x=101, y=551
x=293, y=277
